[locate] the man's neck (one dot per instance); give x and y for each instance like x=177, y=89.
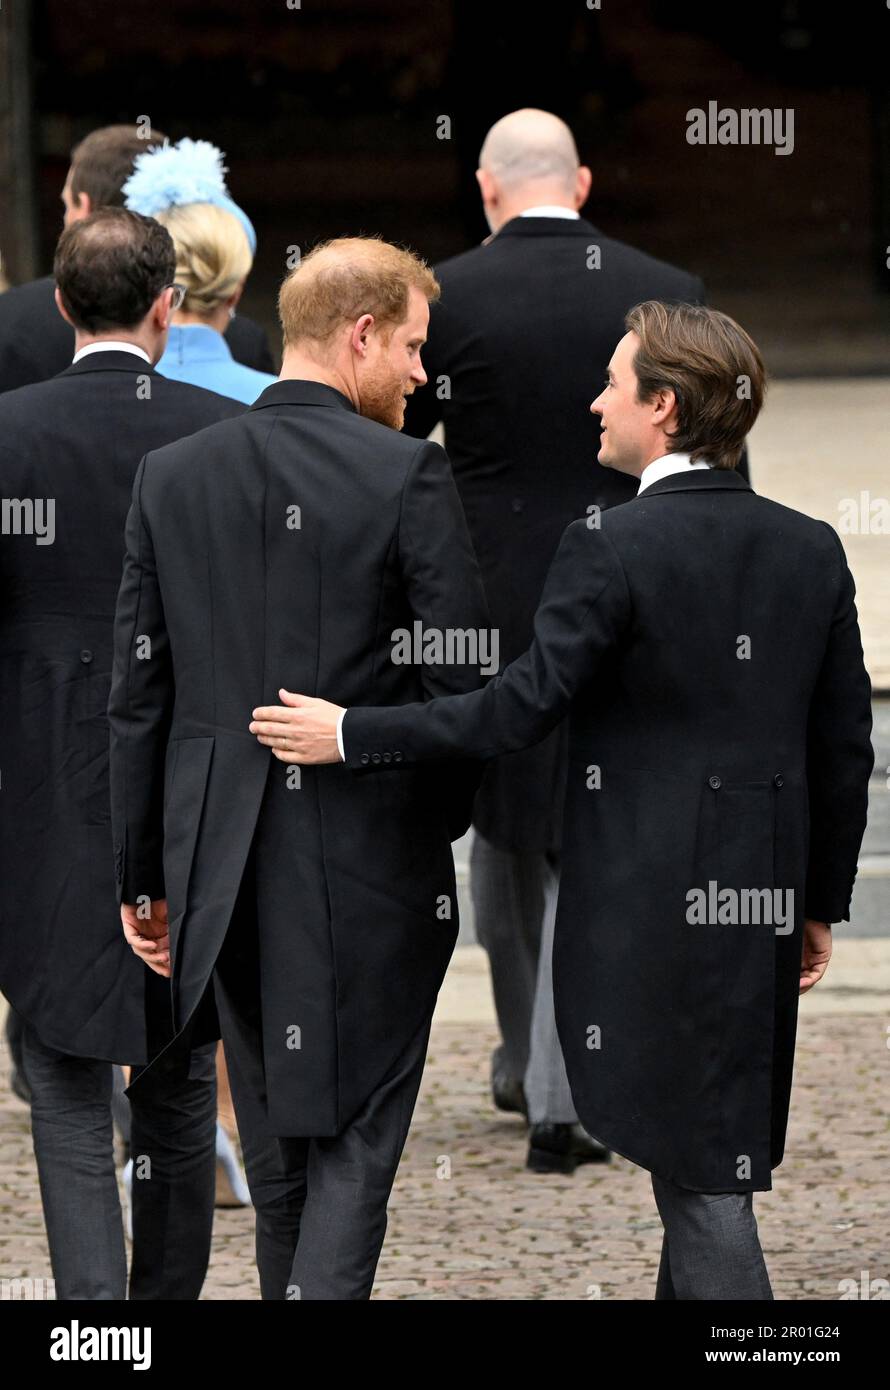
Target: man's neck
x=662, y=451
x=652, y=456
x=298, y=366
x=123, y=335
x=520, y=205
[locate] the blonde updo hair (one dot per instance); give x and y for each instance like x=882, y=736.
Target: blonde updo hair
x=213, y=255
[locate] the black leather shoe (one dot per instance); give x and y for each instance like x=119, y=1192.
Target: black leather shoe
x=507, y=1093
x=560, y=1148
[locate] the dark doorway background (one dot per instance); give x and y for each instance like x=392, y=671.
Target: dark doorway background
x=330, y=117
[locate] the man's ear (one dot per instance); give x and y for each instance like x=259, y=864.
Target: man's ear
x=487, y=186
x=61, y=308
x=160, y=314
x=665, y=401
x=583, y=181
x=360, y=330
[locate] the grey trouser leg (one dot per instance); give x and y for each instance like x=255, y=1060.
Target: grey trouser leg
x=320, y=1203
x=711, y=1249
x=508, y=904
x=277, y=1188
x=74, y=1148
x=546, y=1084
x=348, y=1181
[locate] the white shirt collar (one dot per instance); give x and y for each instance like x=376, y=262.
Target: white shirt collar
x=545, y=210
x=111, y=345
x=665, y=466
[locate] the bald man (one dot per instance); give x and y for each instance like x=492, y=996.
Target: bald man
x=519, y=344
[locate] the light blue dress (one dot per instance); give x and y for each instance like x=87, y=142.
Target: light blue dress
x=201, y=356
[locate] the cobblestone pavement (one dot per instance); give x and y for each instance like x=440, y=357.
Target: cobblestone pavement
x=467, y=1221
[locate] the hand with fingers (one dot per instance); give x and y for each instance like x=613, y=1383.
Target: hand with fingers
x=148, y=936
x=816, y=953
x=300, y=730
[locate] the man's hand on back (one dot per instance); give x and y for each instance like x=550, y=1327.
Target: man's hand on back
x=302, y=730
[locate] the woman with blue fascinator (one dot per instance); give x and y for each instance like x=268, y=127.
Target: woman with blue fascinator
x=183, y=186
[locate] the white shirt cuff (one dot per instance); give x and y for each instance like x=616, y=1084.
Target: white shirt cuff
x=340, y=737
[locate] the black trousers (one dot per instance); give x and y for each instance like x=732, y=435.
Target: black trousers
x=173, y=1142
x=320, y=1203
x=711, y=1249
x=173, y=1148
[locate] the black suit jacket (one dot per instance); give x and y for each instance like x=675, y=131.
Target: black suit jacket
x=704, y=643
x=36, y=342
x=241, y=595
x=518, y=348
x=77, y=439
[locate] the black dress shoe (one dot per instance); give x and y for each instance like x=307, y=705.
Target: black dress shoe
x=506, y=1092
x=508, y=1095
x=560, y=1148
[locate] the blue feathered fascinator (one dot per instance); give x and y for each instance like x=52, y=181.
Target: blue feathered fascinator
x=170, y=176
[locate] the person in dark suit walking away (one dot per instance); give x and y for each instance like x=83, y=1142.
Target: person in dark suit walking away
x=525, y=323
x=70, y=448
x=704, y=643
x=304, y=542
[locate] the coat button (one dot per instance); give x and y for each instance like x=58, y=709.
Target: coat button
x=365, y=758
x=387, y=757
x=86, y=656
x=517, y=504
x=778, y=780
x=397, y=757
x=715, y=783
x=375, y=757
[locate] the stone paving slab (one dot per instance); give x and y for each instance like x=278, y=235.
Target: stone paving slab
x=467, y=1221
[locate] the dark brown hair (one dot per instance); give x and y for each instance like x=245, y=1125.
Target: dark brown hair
x=110, y=268
x=714, y=369
x=103, y=161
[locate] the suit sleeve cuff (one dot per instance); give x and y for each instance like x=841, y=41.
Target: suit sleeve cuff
x=340, y=747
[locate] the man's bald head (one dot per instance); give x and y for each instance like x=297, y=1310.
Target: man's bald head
x=529, y=146
x=529, y=157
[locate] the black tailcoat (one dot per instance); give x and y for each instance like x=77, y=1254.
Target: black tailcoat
x=518, y=348
x=77, y=439
x=241, y=595
x=704, y=643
